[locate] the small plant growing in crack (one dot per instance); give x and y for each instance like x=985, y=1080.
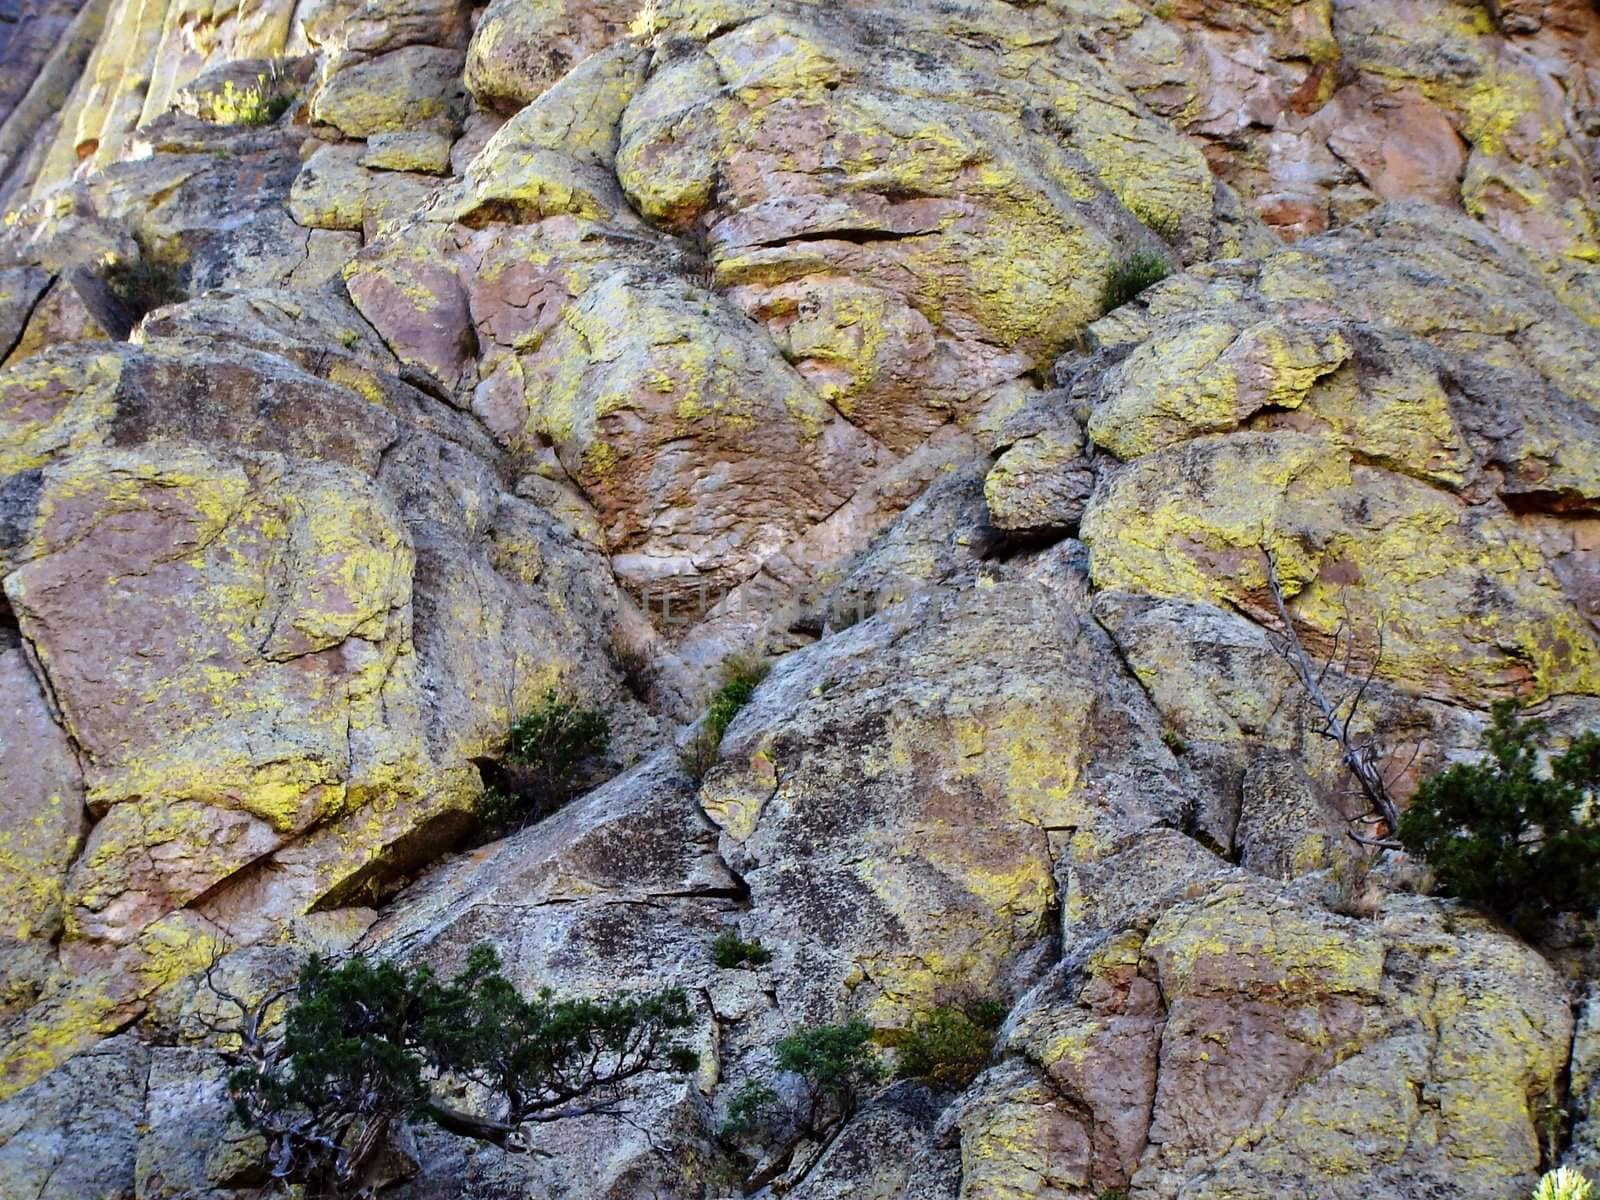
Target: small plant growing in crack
x=821, y=1075
x=550, y=751
x=946, y=1047
x=730, y=951
x=1131, y=277
x=740, y=675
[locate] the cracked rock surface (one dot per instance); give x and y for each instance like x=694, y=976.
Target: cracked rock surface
x=578, y=344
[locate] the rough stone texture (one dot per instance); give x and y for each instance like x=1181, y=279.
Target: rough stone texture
x=576, y=343
x=519, y=49
x=1377, y=1062
x=75, y=1133
x=406, y=89
x=1387, y=478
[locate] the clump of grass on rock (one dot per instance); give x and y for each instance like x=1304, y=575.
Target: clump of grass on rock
x=1132, y=276
x=741, y=674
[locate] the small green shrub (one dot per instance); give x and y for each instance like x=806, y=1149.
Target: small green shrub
x=741, y=674
x=1563, y=1183
x=1524, y=846
x=830, y=1068
x=1173, y=740
x=499, y=811
x=369, y=1045
x=730, y=951
x=151, y=279
x=1140, y=270
x=547, y=752
x=947, y=1047
x=261, y=104
x=820, y=1077
x=748, y=1109
x=836, y=1065
x=557, y=735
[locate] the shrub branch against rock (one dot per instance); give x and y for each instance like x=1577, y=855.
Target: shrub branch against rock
x=365, y=1045
x=741, y=674
x=948, y=1046
x=1523, y=844
x=548, y=751
x=821, y=1075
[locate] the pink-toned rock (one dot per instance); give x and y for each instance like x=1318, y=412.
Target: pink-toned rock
x=1403, y=146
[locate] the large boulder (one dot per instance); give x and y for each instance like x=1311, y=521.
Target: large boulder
x=1322, y=411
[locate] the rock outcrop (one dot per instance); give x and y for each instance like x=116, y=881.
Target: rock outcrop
x=369, y=369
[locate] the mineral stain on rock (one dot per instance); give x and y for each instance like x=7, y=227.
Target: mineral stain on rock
x=573, y=346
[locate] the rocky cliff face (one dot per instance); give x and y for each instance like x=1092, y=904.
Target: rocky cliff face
x=580, y=343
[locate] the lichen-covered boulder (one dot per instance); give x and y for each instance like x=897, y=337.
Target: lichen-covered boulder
x=1359, y=440
x=520, y=49
x=414, y=87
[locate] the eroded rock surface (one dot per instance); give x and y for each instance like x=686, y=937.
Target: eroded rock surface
x=371, y=368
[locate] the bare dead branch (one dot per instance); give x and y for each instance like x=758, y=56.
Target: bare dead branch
x=1360, y=758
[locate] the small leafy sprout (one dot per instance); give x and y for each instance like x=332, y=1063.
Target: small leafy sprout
x=947, y=1047
x=1173, y=740
x=1130, y=277
x=1522, y=844
x=730, y=951
x=741, y=675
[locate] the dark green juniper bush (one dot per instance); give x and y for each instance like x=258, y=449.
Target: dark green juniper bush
x=366, y=1045
x=1523, y=844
